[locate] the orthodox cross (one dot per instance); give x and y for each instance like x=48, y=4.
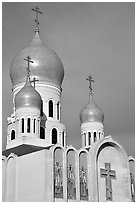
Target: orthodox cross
x=108, y=174
x=36, y=9
x=34, y=80
x=90, y=81
x=28, y=59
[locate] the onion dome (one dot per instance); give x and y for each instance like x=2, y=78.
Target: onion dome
x=47, y=66
x=91, y=112
x=27, y=97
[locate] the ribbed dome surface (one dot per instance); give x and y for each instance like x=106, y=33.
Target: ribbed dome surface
x=47, y=66
x=27, y=97
x=91, y=112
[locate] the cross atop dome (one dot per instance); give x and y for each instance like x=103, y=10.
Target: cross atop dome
x=28, y=59
x=90, y=85
x=36, y=9
x=34, y=80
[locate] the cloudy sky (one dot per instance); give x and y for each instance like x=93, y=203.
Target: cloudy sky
x=91, y=38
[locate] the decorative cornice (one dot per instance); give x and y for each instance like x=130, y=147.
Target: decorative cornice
x=39, y=84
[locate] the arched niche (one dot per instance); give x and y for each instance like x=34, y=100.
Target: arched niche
x=11, y=178
x=4, y=171
x=58, y=172
x=112, y=173
x=83, y=175
x=71, y=174
x=132, y=176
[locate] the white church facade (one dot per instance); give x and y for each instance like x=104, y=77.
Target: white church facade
x=37, y=165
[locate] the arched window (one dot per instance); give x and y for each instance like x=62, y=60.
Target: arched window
x=42, y=133
x=41, y=109
x=12, y=134
x=34, y=125
x=51, y=108
x=22, y=125
x=85, y=139
x=99, y=135
x=95, y=136
x=89, y=138
x=28, y=125
x=54, y=136
x=63, y=139
x=38, y=126
x=102, y=134
x=58, y=111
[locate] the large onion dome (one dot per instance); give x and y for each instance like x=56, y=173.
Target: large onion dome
x=27, y=97
x=91, y=112
x=47, y=66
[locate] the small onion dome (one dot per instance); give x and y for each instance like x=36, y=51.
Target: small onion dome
x=27, y=97
x=91, y=112
x=47, y=66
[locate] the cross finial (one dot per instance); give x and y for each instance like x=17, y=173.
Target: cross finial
x=36, y=9
x=34, y=80
x=90, y=87
x=28, y=59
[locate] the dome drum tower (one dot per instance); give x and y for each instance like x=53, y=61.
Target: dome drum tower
x=91, y=118
x=46, y=77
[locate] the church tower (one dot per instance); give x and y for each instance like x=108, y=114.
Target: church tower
x=91, y=118
x=46, y=75
x=27, y=102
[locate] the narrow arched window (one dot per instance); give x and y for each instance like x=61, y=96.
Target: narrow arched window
x=34, y=125
x=95, y=136
x=85, y=139
x=51, y=108
x=12, y=134
x=89, y=138
x=42, y=133
x=63, y=139
x=58, y=111
x=99, y=135
x=38, y=125
x=28, y=125
x=22, y=125
x=41, y=109
x=54, y=136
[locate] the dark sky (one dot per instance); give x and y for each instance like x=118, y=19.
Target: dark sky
x=91, y=38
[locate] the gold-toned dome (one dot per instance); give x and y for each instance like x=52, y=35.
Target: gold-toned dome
x=91, y=112
x=47, y=66
x=27, y=97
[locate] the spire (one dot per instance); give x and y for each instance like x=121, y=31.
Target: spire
x=36, y=9
x=90, y=87
x=28, y=67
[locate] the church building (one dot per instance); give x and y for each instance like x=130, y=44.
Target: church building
x=37, y=165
